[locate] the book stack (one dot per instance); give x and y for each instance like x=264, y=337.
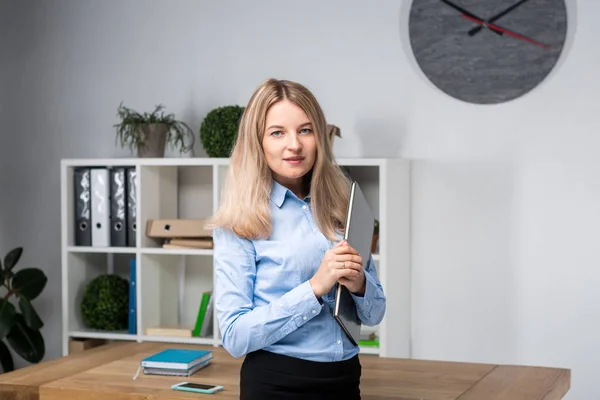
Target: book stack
x=169, y=330
x=183, y=243
x=175, y=362
x=181, y=233
x=202, y=328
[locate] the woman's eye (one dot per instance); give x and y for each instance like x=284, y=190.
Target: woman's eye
x=306, y=130
x=276, y=133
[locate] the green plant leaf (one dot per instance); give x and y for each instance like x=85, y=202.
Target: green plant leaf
x=130, y=130
x=26, y=342
x=7, y=276
x=12, y=258
x=29, y=282
x=31, y=317
x=7, y=317
x=6, y=359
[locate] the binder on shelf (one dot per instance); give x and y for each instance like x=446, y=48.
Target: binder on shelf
x=100, y=189
x=83, y=211
x=206, y=297
x=118, y=207
x=132, y=314
x=177, y=228
x=207, y=324
x=131, y=218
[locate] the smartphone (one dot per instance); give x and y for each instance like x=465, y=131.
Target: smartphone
x=197, y=387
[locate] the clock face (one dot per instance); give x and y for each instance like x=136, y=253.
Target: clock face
x=487, y=51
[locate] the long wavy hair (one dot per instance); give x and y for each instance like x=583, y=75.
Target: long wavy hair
x=244, y=205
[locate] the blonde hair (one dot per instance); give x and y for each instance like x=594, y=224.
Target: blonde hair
x=244, y=206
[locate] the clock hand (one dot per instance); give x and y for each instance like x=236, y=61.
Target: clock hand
x=466, y=13
x=497, y=28
x=460, y=9
x=496, y=17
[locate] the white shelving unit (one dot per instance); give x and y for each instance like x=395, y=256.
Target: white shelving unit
x=170, y=282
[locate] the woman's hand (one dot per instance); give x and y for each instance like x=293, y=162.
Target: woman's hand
x=341, y=263
x=355, y=284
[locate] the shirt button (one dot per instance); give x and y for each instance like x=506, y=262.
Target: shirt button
x=314, y=311
x=304, y=318
x=339, y=342
x=304, y=206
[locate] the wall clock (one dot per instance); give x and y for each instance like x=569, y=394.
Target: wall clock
x=487, y=51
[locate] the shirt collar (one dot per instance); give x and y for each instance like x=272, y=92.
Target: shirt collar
x=278, y=193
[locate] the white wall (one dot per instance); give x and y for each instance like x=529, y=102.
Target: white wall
x=506, y=199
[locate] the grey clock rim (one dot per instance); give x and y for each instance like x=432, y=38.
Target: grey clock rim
x=404, y=11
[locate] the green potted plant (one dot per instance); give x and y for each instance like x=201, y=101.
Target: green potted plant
x=105, y=303
x=375, y=236
x=219, y=129
x=20, y=328
x=148, y=133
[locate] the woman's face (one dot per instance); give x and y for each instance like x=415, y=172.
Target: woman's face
x=289, y=143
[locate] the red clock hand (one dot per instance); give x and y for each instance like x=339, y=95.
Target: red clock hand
x=465, y=13
x=506, y=31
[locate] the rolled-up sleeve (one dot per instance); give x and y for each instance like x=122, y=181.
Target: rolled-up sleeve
x=244, y=327
x=371, y=306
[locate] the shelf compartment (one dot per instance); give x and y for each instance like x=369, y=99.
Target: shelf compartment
x=69, y=207
x=82, y=269
x=171, y=192
x=171, y=288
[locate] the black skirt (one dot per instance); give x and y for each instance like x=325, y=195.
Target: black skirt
x=265, y=376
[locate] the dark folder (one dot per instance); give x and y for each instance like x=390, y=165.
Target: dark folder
x=359, y=234
x=131, y=206
x=118, y=207
x=83, y=209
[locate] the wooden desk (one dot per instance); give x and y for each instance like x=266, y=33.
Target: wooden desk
x=106, y=373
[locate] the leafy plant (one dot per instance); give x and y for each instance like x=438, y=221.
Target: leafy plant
x=133, y=130
x=105, y=303
x=219, y=130
x=20, y=330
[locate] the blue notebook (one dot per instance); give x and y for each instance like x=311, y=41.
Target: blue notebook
x=176, y=358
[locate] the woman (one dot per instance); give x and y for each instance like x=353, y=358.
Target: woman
x=278, y=253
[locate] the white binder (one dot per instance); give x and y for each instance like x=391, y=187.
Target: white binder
x=100, y=187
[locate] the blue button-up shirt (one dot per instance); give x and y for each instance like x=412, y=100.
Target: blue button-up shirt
x=263, y=299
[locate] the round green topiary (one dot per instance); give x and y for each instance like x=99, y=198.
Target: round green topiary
x=219, y=130
x=105, y=303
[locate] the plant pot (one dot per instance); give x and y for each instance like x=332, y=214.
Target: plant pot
x=374, y=243
x=154, y=139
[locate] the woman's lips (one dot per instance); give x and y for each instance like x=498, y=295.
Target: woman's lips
x=294, y=160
